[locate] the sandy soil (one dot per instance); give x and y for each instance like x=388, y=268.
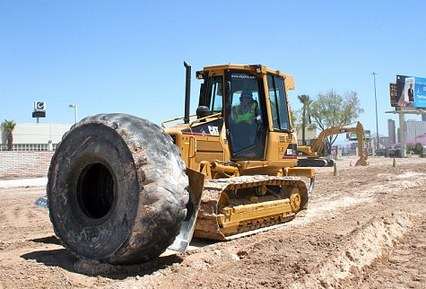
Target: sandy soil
x=20, y=183
x=365, y=228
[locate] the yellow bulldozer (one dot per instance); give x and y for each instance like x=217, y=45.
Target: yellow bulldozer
x=311, y=155
x=122, y=189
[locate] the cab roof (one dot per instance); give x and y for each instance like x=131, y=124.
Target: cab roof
x=253, y=68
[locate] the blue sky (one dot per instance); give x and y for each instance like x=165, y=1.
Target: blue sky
x=126, y=56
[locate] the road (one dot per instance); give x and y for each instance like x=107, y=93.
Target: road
x=365, y=228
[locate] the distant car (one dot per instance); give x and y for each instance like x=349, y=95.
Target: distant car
x=380, y=152
x=393, y=152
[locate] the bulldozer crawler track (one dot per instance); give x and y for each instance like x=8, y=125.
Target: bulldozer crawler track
x=214, y=223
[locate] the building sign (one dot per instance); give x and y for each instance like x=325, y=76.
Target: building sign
x=39, y=109
x=408, y=92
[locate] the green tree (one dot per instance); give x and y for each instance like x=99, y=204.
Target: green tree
x=306, y=118
x=8, y=126
x=334, y=110
x=293, y=116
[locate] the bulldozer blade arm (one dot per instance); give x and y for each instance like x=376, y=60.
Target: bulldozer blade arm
x=196, y=185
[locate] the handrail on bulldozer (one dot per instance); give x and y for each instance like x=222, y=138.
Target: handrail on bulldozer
x=173, y=119
x=204, y=118
x=192, y=122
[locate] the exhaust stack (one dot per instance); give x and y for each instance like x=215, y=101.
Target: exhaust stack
x=187, y=91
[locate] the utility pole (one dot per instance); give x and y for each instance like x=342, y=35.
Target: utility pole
x=74, y=106
x=377, y=116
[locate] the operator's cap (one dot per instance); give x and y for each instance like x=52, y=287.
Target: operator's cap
x=247, y=94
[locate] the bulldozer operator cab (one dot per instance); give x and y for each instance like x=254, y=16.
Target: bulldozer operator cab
x=238, y=94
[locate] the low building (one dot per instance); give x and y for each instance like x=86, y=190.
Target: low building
x=414, y=128
x=36, y=136
x=33, y=147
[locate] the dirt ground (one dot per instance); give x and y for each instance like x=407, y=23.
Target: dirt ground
x=365, y=228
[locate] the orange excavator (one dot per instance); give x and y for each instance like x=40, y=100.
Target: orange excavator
x=312, y=155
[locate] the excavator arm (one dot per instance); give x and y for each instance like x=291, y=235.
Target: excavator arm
x=318, y=145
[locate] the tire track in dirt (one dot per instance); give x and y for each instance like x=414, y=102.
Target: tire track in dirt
x=404, y=266
x=258, y=264
x=360, y=249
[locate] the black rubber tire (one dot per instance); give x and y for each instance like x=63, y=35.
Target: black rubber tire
x=117, y=189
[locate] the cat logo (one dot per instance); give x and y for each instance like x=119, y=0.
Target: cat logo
x=213, y=130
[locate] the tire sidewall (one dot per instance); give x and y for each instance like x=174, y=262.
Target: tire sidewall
x=92, y=238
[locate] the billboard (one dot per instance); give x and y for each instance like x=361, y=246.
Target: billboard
x=408, y=92
x=393, y=91
x=420, y=92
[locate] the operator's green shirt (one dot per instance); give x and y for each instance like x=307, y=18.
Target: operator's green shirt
x=242, y=116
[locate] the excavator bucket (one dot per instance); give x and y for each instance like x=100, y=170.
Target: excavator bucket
x=362, y=161
x=196, y=185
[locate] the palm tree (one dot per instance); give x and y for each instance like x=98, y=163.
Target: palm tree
x=8, y=126
x=306, y=118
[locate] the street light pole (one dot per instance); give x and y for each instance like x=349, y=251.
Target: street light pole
x=74, y=106
x=377, y=116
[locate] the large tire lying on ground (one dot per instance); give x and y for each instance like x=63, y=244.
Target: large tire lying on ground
x=117, y=189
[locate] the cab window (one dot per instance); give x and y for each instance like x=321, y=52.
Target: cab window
x=216, y=90
x=245, y=118
x=278, y=101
